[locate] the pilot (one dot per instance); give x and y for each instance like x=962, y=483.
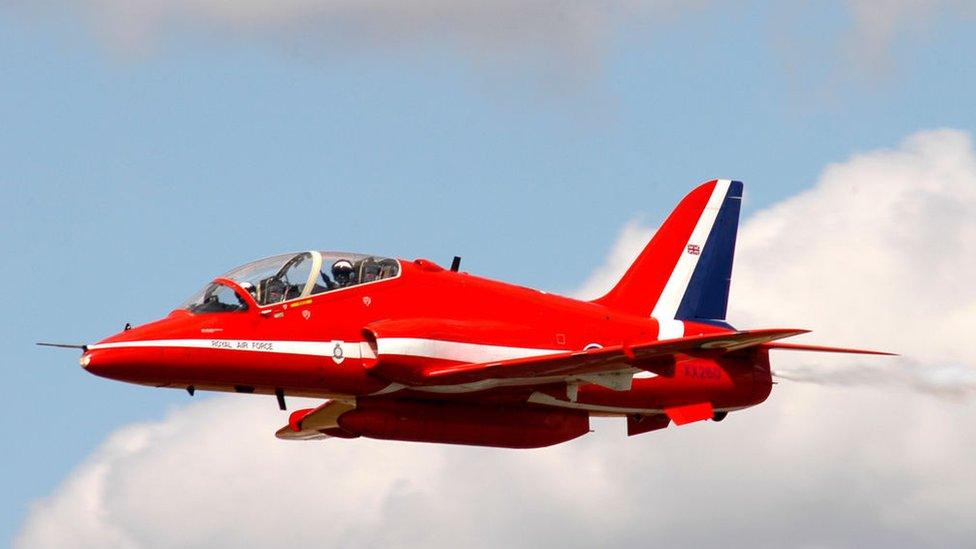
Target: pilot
x=328, y=284
x=275, y=290
x=249, y=288
x=342, y=273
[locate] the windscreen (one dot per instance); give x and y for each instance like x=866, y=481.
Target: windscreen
x=275, y=279
x=215, y=298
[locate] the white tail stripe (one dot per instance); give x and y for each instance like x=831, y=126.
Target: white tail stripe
x=667, y=305
x=669, y=328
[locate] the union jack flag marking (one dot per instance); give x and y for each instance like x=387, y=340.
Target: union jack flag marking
x=694, y=249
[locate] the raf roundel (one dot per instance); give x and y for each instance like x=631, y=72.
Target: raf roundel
x=337, y=354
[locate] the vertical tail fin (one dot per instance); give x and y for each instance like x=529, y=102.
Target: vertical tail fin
x=685, y=270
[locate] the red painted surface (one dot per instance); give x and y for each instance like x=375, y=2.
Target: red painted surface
x=689, y=413
x=473, y=424
x=296, y=417
x=645, y=277
x=440, y=356
x=637, y=424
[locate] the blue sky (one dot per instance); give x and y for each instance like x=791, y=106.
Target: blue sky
x=129, y=179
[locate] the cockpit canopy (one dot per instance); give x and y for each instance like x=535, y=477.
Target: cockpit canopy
x=292, y=276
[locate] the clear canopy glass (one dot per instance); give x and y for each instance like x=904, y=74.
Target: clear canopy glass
x=291, y=276
x=215, y=298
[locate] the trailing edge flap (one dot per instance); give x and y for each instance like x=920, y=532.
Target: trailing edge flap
x=310, y=423
x=656, y=357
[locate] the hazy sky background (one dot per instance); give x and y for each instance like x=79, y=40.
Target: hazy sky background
x=146, y=147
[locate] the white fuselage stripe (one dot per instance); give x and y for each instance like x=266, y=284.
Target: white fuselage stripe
x=674, y=291
x=313, y=348
x=418, y=347
x=455, y=350
x=402, y=346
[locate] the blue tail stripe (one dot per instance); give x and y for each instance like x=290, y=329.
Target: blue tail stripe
x=707, y=295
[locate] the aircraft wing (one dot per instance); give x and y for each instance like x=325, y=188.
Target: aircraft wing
x=657, y=357
x=315, y=423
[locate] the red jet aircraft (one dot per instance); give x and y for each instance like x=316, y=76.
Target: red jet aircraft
x=408, y=350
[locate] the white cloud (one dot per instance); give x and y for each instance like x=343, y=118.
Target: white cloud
x=814, y=467
x=549, y=36
x=877, y=253
x=879, y=23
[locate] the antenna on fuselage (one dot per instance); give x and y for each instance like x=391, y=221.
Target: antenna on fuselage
x=456, y=263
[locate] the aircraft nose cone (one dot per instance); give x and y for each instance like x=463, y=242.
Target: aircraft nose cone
x=119, y=364
x=103, y=363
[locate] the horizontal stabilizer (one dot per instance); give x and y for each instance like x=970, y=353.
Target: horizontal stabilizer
x=822, y=349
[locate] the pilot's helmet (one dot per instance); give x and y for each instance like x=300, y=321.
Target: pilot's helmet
x=342, y=271
x=248, y=287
